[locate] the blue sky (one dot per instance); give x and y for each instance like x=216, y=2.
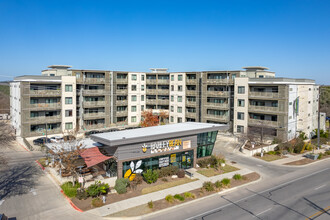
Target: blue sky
x=289, y=37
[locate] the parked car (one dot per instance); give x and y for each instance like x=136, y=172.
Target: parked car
x=56, y=139
x=69, y=138
x=41, y=141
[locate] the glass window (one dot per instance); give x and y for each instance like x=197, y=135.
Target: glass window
x=68, y=88
x=172, y=98
x=133, y=108
x=172, y=87
x=133, y=76
x=179, y=77
x=179, y=88
x=133, y=87
x=172, y=108
x=241, y=103
x=240, y=115
x=142, y=87
x=68, y=113
x=68, y=100
x=172, y=119
x=179, y=98
x=68, y=126
x=142, y=97
x=179, y=109
x=142, y=77
x=179, y=120
x=241, y=90
x=142, y=107
x=133, y=98
x=133, y=119
x=240, y=129
x=172, y=77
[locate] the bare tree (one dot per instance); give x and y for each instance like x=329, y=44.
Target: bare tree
x=7, y=136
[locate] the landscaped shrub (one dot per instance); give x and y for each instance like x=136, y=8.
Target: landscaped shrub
x=237, y=177
x=203, y=162
x=181, y=173
x=82, y=194
x=121, y=185
x=69, y=189
x=167, y=171
x=97, y=202
x=189, y=195
x=271, y=152
x=136, y=181
x=150, y=204
x=327, y=152
x=320, y=156
x=150, y=176
x=213, y=160
x=298, y=146
x=97, y=188
x=179, y=197
x=208, y=186
x=225, y=182
x=218, y=184
x=169, y=198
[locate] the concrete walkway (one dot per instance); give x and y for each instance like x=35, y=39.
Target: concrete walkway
x=292, y=158
x=144, y=199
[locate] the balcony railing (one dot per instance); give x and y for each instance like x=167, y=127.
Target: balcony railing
x=43, y=119
x=94, y=92
x=217, y=105
x=151, y=81
x=163, y=81
x=45, y=92
x=265, y=123
x=163, y=102
x=163, y=91
x=151, y=91
x=191, y=92
x=221, y=118
x=191, y=114
x=191, y=81
x=121, y=102
x=95, y=126
x=264, y=95
x=93, y=103
x=121, y=113
x=218, y=93
x=219, y=81
x=151, y=101
x=41, y=106
x=43, y=132
x=263, y=108
x=122, y=91
x=191, y=103
x=94, y=80
x=122, y=81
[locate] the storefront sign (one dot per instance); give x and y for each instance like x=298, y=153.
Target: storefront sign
x=186, y=144
x=164, y=161
x=162, y=146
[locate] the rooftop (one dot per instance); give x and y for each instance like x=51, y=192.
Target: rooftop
x=281, y=80
x=37, y=78
x=155, y=133
x=59, y=66
x=255, y=68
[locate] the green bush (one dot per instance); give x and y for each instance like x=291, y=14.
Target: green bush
x=150, y=204
x=181, y=173
x=82, y=194
x=302, y=135
x=179, y=197
x=150, y=176
x=169, y=198
x=298, y=146
x=327, y=152
x=271, y=152
x=237, y=177
x=208, y=186
x=218, y=184
x=189, y=195
x=225, y=182
x=320, y=156
x=121, y=185
x=167, y=171
x=97, y=202
x=97, y=188
x=69, y=189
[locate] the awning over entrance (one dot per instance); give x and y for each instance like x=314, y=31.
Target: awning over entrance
x=93, y=156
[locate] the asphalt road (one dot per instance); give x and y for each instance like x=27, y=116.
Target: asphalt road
x=294, y=195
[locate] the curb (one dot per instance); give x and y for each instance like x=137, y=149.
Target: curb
x=71, y=203
x=43, y=168
x=23, y=146
x=305, y=165
x=186, y=203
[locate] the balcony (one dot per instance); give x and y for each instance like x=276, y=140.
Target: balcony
x=151, y=81
x=94, y=80
x=87, y=104
x=191, y=92
x=163, y=102
x=43, y=119
x=263, y=109
x=151, y=91
x=163, y=91
x=44, y=106
x=121, y=102
x=163, y=81
x=95, y=92
x=122, y=91
x=219, y=81
x=94, y=126
x=43, y=132
x=191, y=81
x=191, y=114
x=217, y=105
x=266, y=123
x=151, y=101
x=122, y=81
x=44, y=93
x=121, y=113
x=264, y=95
x=219, y=118
x=191, y=103
x=94, y=115
x=218, y=93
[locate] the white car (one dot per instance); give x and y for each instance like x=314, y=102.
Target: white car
x=56, y=139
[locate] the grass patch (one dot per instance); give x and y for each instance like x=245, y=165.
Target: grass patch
x=269, y=157
x=228, y=169
x=166, y=185
x=209, y=172
x=42, y=161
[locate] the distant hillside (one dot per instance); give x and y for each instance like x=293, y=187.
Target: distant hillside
x=325, y=100
x=4, y=99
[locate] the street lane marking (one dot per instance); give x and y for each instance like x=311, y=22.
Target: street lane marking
x=263, y=211
x=1, y=201
x=320, y=186
x=319, y=213
x=253, y=195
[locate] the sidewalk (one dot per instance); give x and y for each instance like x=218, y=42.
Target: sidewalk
x=292, y=158
x=144, y=199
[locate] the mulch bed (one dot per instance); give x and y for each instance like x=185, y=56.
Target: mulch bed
x=163, y=204
x=114, y=197
x=305, y=161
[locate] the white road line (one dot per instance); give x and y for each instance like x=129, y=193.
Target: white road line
x=253, y=195
x=263, y=211
x=1, y=201
x=319, y=187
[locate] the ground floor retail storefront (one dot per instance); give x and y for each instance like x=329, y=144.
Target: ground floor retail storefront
x=135, y=151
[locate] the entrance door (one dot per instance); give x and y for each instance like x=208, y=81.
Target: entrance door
x=186, y=161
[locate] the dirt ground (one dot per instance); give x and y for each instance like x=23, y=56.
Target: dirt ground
x=163, y=204
x=114, y=197
x=305, y=161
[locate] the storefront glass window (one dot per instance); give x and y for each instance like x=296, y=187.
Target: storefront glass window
x=205, y=143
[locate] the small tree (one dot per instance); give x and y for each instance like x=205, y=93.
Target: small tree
x=149, y=119
x=163, y=116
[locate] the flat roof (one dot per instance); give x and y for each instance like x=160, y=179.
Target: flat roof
x=155, y=133
x=280, y=80
x=37, y=78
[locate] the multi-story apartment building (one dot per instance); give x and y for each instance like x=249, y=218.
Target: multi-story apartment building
x=250, y=100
